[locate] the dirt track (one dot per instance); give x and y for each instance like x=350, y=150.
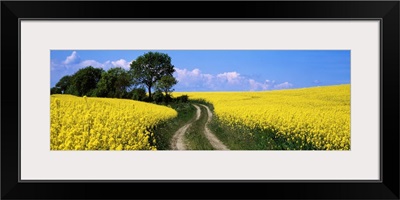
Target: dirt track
x=178, y=140
x=215, y=142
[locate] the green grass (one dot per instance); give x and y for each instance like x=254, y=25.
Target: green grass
x=240, y=138
x=164, y=132
x=243, y=138
x=195, y=138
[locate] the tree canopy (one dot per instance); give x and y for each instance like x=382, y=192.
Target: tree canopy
x=150, y=68
x=85, y=80
x=114, y=83
x=165, y=84
x=64, y=83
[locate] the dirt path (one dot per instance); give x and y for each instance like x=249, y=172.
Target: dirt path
x=215, y=142
x=178, y=142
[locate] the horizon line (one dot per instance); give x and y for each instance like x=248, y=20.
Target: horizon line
x=266, y=90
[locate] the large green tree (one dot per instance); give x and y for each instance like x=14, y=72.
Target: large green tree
x=85, y=80
x=165, y=84
x=150, y=68
x=114, y=83
x=55, y=90
x=64, y=83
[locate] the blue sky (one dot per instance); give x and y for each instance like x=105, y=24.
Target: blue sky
x=223, y=70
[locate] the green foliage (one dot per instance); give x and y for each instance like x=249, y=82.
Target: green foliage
x=167, y=98
x=158, y=96
x=114, y=83
x=148, y=99
x=182, y=99
x=165, y=84
x=72, y=90
x=150, y=68
x=165, y=131
x=92, y=93
x=138, y=94
x=85, y=80
x=64, y=83
x=55, y=90
x=195, y=137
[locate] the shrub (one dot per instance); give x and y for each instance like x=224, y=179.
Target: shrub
x=158, y=96
x=182, y=99
x=167, y=98
x=55, y=90
x=138, y=94
x=91, y=93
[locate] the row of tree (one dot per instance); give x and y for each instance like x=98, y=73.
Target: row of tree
x=153, y=70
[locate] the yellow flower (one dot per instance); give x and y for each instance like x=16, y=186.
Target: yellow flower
x=105, y=124
x=319, y=115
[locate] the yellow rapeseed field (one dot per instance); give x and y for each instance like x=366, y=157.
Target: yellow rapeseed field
x=82, y=123
x=318, y=116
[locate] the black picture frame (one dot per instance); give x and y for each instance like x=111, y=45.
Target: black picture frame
x=386, y=11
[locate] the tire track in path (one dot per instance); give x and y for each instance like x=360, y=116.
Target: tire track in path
x=178, y=140
x=214, y=141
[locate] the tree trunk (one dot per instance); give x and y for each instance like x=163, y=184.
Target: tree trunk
x=149, y=86
x=166, y=96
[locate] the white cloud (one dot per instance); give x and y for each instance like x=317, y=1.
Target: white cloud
x=268, y=82
x=255, y=86
x=196, y=72
x=195, y=80
x=92, y=63
x=230, y=77
x=74, y=62
x=121, y=63
x=284, y=85
x=193, y=75
x=182, y=74
x=268, y=85
x=72, y=59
